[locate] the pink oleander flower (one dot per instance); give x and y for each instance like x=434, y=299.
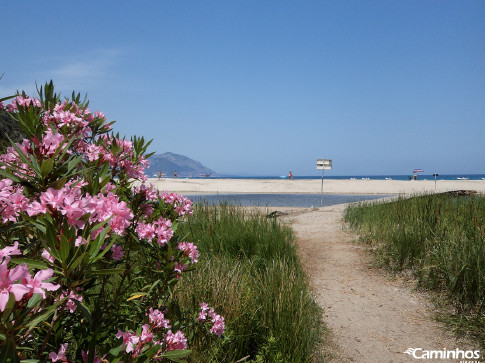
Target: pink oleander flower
x=179, y=268
x=158, y=319
x=203, y=311
x=160, y=229
x=175, y=341
x=181, y=204
x=70, y=304
x=218, y=325
x=146, y=335
x=46, y=255
x=12, y=200
x=60, y=355
x=37, y=284
x=117, y=252
x=50, y=142
x=129, y=340
x=10, y=251
x=189, y=250
x=7, y=285
x=24, y=102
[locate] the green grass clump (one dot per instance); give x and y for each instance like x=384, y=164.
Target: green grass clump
x=250, y=272
x=441, y=239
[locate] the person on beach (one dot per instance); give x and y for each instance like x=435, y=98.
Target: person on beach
x=159, y=175
x=175, y=174
x=290, y=175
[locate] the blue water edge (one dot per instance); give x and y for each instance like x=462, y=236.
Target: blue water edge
x=281, y=200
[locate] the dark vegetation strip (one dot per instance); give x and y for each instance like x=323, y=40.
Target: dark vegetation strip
x=251, y=272
x=441, y=240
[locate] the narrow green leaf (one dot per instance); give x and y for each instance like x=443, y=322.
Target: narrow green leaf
x=84, y=310
x=44, y=314
x=8, y=307
x=46, y=167
x=41, y=265
x=64, y=248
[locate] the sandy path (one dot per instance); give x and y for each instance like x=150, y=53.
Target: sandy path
x=373, y=318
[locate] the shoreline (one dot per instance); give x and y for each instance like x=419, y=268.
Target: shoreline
x=313, y=186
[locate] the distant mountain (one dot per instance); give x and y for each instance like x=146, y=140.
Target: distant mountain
x=168, y=163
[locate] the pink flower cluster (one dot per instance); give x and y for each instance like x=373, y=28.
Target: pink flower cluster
x=71, y=203
x=12, y=158
x=149, y=192
x=119, y=153
x=70, y=304
x=134, y=344
x=12, y=200
x=50, y=143
x=217, y=320
x=189, y=250
x=60, y=356
x=181, y=204
x=18, y=280
x=21, y=101
x=160, y=229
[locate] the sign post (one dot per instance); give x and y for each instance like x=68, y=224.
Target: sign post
x=435, y=175
x=323, y=164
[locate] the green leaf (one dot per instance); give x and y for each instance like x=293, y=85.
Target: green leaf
x=98, y=242
x=41, y=265
x=84, y=310
x=64, y=248
x=115, y=351
x=7, y=98
x=76, y=262
x=46, y=167
x=44, y=314
x=176, y=355
x=8, y=307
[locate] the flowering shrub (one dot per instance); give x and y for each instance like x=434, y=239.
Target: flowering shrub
x=88, y=260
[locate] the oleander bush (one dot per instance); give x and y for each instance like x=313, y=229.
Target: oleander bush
x=89, y=261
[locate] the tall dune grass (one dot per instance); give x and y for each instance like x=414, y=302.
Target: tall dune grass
x=441, y=239
x=251, y=272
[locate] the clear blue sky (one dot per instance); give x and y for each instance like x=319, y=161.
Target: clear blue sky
x=261, y=87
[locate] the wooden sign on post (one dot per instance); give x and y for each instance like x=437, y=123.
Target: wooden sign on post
x=323, y=164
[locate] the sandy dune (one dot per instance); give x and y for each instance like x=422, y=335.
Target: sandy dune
x=346, y=186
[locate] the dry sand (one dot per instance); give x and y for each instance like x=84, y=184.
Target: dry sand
x=336, y=186
x=372, y=317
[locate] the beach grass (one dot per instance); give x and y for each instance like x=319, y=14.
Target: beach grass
x=250, y=272
x=440, y=238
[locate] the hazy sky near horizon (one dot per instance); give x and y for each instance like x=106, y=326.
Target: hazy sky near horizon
x=262, y=87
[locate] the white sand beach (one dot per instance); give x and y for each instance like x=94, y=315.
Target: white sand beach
x=313, y=186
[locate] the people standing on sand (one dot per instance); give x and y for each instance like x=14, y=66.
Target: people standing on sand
x=159, y=175
x=175, y=174
x=290, y=175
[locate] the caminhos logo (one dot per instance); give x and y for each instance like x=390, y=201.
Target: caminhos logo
x=463, y=355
